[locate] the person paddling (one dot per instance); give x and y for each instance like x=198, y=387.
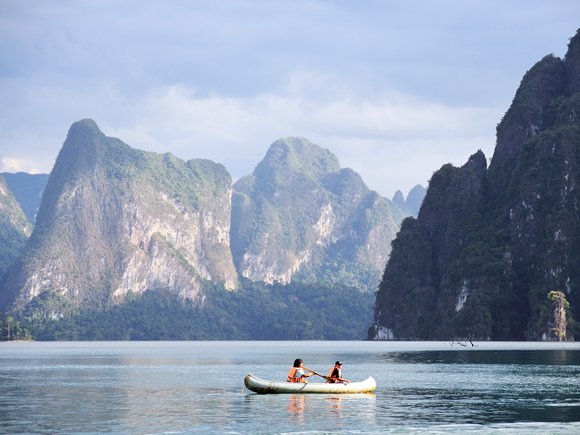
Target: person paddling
x=296, y=373
x=335, y=374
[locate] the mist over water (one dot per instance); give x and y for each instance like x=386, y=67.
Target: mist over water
x=197, y=387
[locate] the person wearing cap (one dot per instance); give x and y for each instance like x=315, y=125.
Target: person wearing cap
x=335, y=374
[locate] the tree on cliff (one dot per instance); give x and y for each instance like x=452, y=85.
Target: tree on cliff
x=558, y=323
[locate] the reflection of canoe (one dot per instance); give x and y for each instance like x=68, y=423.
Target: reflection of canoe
x=262, y=386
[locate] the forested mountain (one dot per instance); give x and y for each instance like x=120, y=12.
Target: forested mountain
x=116, y=221
x=14, y=228
x=134, y=245
x=495, y=253
x=301, y=217
x=255, y=311
x=27, y=189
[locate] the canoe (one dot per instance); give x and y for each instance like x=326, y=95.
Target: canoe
x=263, y=386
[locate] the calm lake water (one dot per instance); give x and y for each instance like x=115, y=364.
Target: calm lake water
x=197, y=387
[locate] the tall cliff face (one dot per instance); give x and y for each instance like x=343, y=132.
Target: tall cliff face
x=300, y=216
x=489, y=245
x=115, y=220
x=14, y=228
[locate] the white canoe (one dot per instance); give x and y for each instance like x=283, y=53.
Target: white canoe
x=262, y=386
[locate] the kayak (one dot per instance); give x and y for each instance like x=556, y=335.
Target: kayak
x=263, y=386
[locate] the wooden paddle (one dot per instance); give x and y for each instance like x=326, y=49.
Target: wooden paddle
x=317, y=374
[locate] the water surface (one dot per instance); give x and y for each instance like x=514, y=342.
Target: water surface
x=197, y=387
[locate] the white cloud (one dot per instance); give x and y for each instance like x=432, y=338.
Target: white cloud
x=8, y=164
x=395, y=94
x=394, y=141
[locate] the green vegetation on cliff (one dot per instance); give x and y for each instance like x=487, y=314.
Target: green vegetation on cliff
x=114, y=219
x=300, y=217
x=11, y=329
x=136, y=245
x=488, y=243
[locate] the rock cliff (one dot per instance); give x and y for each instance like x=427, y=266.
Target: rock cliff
x=489, y=245
x=115, y=220
x=301, y=216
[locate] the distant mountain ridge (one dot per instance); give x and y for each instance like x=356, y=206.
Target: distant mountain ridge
x=14, y=227
x=495, y=252
x=27, y=189
x=412, y=204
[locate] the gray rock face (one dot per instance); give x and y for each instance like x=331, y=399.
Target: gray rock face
x=300, y=216
x=115, y=220
x=490, y=246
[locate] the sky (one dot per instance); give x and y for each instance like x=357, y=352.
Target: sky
x=394, y=88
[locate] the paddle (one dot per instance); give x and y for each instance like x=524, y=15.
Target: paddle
x=315, y=373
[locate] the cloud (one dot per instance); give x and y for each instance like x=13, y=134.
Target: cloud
x=394, y=141
x=393, y=92
x=17, y=165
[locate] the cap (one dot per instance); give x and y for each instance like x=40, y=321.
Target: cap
x=338, y=363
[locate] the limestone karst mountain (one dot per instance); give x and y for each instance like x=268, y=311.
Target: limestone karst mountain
x=115, y=221
x=300, y=216
x=490, y=245
x=127, y=241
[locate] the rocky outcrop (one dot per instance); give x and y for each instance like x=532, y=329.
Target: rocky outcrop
x=488, y=246
x=115, y=220
x=300, y=216
x=557, y=322
x=415, y=290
